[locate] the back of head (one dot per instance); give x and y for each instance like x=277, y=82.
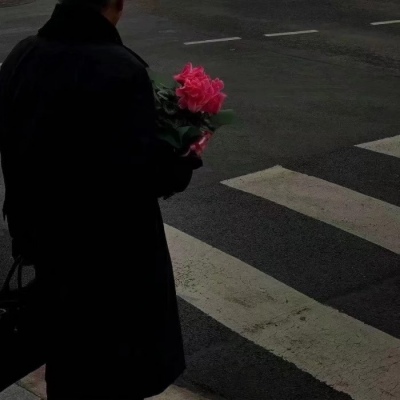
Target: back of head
x=111, y=9
x=98, y=4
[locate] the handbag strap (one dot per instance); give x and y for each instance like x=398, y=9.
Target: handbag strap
x=17, y=265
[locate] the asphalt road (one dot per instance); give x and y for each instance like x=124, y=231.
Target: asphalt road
x=303, y=101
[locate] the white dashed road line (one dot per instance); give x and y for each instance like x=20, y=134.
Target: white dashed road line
x=277, y=34
x=213, y=40
x=290, y=33
x=395, y=21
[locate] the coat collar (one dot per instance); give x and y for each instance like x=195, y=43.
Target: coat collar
x=79, y=24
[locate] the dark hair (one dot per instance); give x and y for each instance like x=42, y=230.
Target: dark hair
x=91, y=3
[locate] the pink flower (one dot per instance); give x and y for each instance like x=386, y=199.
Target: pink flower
x=195, y=94
x=198, y=92
x=200, y=146
x=216, y=102
x=189, y=73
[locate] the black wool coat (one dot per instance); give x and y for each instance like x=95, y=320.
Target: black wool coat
x=83, y=172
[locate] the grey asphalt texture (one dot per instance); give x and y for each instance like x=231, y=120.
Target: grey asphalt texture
x=302, y=102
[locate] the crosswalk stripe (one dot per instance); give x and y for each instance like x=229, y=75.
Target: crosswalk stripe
x=177, y=393
x=361, y=215
x=335, y=348
x=389, y=146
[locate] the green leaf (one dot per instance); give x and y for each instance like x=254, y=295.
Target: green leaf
x=225, y=117
x=192, y=135
x=181, y=138
x=183, y=130
x=169, y=108
x=172, y=137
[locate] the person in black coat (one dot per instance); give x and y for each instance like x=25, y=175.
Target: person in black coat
x=83, y=172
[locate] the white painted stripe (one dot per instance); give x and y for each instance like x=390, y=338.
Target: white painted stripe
x=12, y=31
x=389, y=146
x=361, y=215
x=339, y=350
x=17, y=393
x=396, y=21
x=290, y=33
x=213, y=40
x=177, y=393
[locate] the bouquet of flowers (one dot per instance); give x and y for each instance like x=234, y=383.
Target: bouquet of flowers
x=189, y=109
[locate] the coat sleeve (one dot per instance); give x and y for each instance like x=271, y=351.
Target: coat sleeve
x=7, y=70
x=154, y=165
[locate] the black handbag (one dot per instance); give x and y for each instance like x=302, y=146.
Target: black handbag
x=21, y=327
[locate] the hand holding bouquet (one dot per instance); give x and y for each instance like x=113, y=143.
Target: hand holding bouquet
x=189, y=109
